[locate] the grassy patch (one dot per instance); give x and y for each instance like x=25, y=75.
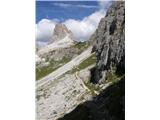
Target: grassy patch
x=92, y=88
x=89, y=61
x=112, y=76
x=81, y=45
x=86, y=63
x=41, y=72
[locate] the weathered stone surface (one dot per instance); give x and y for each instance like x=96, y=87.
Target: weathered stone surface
x=61, y=96
x=110, y=42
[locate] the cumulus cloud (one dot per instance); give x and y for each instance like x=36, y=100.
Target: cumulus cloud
x=44, y=30
x=83, y=29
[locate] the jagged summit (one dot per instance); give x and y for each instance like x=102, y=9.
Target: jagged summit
x=62, y=38
x=60, y=32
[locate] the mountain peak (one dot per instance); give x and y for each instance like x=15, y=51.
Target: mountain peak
x=62, y=38
x=60, y=32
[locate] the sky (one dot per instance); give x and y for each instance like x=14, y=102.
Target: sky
x=81, y=17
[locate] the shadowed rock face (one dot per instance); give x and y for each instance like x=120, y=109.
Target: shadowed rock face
x=110, y=42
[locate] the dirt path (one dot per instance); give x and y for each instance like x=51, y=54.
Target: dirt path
x=84, y=86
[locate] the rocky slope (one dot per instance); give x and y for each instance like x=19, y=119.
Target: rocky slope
x=60, y=96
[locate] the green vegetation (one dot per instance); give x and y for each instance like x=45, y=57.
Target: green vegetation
x=111, y=75
x=41, y=72
x=92, y=88
x=89, y=61
x=86, y=63
x=81, y=45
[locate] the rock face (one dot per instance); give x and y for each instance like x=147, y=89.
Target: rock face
x=110, y=42
x=60, y=32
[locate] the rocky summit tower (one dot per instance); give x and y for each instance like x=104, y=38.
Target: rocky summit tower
x=61, y=32
x=61, y=38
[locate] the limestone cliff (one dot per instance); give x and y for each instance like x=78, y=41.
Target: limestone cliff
x=110, y=42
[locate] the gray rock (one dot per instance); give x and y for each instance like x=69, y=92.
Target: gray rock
x=110, y=42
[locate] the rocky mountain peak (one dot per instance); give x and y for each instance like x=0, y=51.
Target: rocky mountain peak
x=60, y=32
x=62, y=38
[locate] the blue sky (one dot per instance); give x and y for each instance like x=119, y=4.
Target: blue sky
x=63, y=10
x=81, y=17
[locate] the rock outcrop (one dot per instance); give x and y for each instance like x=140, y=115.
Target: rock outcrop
x=110, y=42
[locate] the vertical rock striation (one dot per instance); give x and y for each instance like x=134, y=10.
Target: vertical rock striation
x=110, y=42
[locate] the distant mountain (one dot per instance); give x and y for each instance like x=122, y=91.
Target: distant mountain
x=60, y=32
x=62, y=38
x=61, y=48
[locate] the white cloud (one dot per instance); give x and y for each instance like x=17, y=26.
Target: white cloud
x=71, y=5
x=44, y=30
x=82, y=30
x=85, y=28
x=62, y=4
